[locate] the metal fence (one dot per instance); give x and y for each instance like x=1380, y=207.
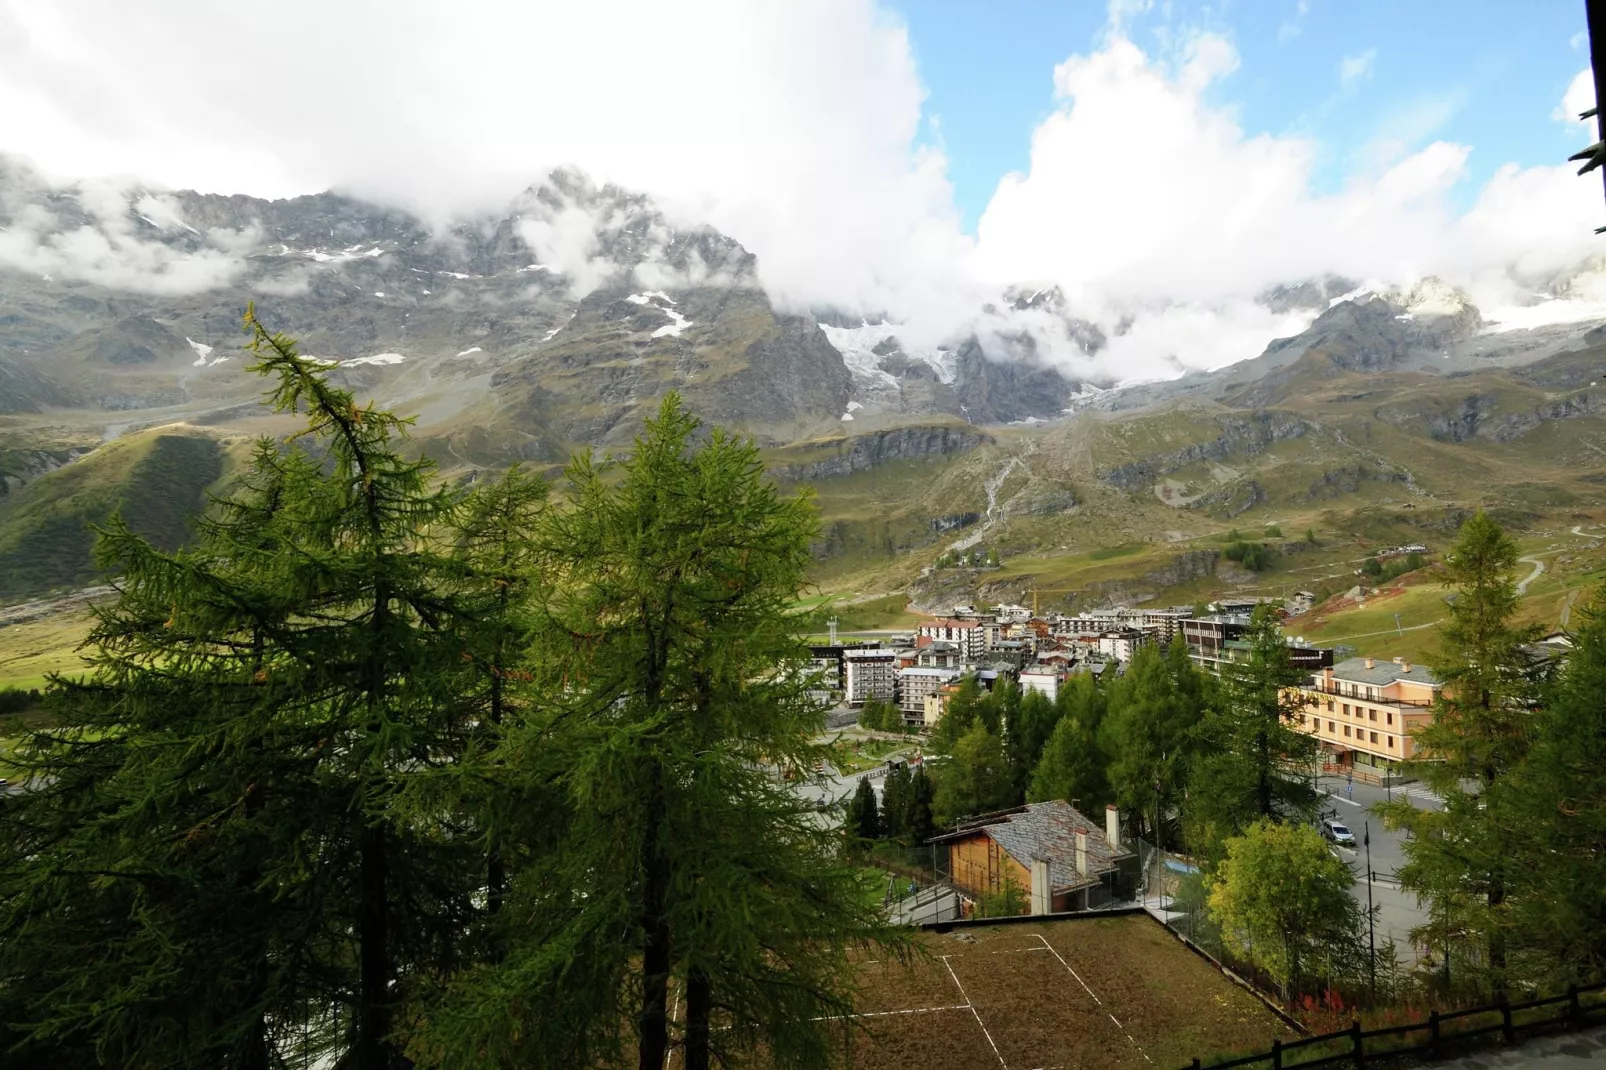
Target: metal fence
x=1439, y=1034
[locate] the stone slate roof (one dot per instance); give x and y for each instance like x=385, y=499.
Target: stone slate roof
x=1382, y=673
x=1048, y=830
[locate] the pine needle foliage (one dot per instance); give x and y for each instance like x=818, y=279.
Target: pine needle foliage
x=1459, y=858
x=684, y=863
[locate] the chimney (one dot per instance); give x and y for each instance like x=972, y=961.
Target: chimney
x=1406, y=665
x=1112, y=827
x=1369, y=663
x=1042, y=897
x=1081, y=851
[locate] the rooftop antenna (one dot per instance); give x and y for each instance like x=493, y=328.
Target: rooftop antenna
x=831, y=624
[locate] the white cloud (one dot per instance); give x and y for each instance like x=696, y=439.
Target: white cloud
x=1353, y=70
x=1579, y=98
x=1145, y=199
x=109, y=248
x=793, y=128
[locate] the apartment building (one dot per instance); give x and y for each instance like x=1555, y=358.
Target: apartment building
x=1046, y=680
x=1364, y=711
x=869, y=673
x=1121, y=644
x=915, y=686
x=1207, y=637
x=968, y=635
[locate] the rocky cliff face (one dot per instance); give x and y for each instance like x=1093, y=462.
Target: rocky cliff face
x=856, y=453
x=1240, y=436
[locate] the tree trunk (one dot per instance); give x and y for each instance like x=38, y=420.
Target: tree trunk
x=373, y=1011
x=495, y=868
x=653, y=1021
x=1497, y=935
x=699, y=997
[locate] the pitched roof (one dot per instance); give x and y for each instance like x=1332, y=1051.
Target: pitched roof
x=1382, y=673
x=1048, y=830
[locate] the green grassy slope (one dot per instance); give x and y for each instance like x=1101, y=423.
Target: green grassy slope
x=155, y=479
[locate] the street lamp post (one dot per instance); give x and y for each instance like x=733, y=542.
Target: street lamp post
x=1371, y=914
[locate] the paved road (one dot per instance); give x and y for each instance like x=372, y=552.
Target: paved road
x=1398, y=911
x=1539, y=570
x=1569, y=1051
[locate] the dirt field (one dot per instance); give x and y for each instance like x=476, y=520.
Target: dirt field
x=1099, y=992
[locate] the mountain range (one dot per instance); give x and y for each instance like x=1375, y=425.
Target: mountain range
x=556, y=323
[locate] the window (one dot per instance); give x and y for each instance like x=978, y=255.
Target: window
x=1346, y=709
x=1390, y=718
x=1330, y=727
x=1374, y=737
x=1346, y=730
x=1371, y=715
x=1391, y=743
x=1329, y=705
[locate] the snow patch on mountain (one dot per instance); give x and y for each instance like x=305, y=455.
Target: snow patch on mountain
x=1354, y=295
x=378, y=358
x=1544, y=314
x=350, y=253
x=202, y=351
x=672, y=330
x=858, y=344
x=471, y=349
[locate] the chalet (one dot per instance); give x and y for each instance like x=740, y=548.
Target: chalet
x=1054, y=854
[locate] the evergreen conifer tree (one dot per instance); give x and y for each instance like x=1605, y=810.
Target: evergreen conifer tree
x=1460, y=857
x=863, y=817
x=229, y=814
x=895, y=801
x=1072, y=765
x=1557, y=798
x=682, y=709
x=1249, y=761
x=918, y=824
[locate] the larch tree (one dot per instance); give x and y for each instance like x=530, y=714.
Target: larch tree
x=1147, y=729
x=974, y=779
x=226, y=813
x=1460, y=857
x=680, y=710
x=1251, y=762
x=1072, y=764
x=1557, y=803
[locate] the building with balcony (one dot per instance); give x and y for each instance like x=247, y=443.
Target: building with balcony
x=968, y=635
x=1207, y=637
x=869, y=673
x=1363, y=711
x=915, y=685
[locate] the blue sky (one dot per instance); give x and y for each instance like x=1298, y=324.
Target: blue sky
x=1483, y=73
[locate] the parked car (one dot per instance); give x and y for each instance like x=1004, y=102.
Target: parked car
x=1337, y=832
